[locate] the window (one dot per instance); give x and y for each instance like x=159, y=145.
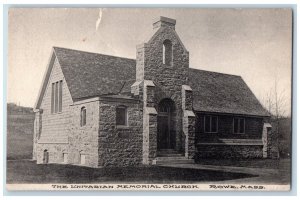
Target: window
x=121, y=116
x=46, y=156
x=238, y=125
x=82, y=159
x=211, y=124
x=83, y=116
x=65, y=158
x=56, y=97
x=167, y=52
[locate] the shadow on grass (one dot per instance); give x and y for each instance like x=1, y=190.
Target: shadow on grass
x=25, y=171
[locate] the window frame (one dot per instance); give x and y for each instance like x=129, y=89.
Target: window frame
x=60, y=94
x=56, y=97
x=65, y=157
x=83, y=119
x=210, y=124
x=82, y=158
x=52, y=98
x=239, y=124
x=125, y=115
x=167, y=43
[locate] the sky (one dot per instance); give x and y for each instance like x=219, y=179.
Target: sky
x=253, y=43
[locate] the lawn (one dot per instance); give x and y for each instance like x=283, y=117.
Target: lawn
x=252, y=163
x=271, y=171
x=19, y=136
x=25, y=171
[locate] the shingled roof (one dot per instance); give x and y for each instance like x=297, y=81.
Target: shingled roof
x=91, y=74
x=217, y=92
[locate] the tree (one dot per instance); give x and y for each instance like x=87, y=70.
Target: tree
x=275, y=102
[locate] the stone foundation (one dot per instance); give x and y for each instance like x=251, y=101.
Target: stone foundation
x=55, y=152
x=229, y=151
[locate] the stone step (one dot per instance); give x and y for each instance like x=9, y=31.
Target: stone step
x=173, y=160
x=169, y=155
x=167, y=162
x=167, y=150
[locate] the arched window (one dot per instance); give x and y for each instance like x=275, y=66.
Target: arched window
x=121, y=116
x=167, y=52
x=83, y=116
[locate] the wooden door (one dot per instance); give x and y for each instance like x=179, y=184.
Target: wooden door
x=165, y=134
x=163, y=139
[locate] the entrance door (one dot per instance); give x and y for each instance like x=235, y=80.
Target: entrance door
x=165, y=134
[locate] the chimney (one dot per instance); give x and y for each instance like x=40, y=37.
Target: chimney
x=164, y=22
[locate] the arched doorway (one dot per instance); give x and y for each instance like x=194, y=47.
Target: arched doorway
x=166, y=135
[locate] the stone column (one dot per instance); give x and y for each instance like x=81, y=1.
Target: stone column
x=188, y=121
x=265, y=139
x=149, y=135
x=149, y=123
x=270, y=142
x=36, y=131
x=145, y=91
x=273, y=144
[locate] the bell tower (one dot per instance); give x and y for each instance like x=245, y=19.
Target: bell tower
x=162, y=76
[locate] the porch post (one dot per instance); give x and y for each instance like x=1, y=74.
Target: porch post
x=145, y=89
x=188, y=120
x=37, y=130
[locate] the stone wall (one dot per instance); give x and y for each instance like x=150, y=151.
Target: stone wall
x=229, y=151
x=152, y=138
x=168, y=80
x=273, y=149
x=189, y=122
x=270, y=140
x=55, y=152
x=83, y=140
x=120, y=145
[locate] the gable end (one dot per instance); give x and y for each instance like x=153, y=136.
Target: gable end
x=45, y=81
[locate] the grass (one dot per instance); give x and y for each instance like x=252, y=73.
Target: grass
x=25, y=171
x=252, y=163
x=19, y=136
x=272, y=171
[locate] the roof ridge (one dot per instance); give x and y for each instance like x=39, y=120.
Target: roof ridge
x=215, y=72
x=55, y=47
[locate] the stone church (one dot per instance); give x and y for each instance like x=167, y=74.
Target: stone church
x=99, y=110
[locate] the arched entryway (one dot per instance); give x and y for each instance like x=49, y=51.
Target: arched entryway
x=166, y=134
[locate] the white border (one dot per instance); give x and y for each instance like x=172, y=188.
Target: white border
x=130, y=3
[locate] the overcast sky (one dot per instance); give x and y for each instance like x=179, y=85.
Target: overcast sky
x=253, y=43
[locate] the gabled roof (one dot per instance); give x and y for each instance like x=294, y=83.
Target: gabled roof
x=91, y=74
x=217, y=92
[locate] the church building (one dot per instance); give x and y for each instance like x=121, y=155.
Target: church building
x=99, y=110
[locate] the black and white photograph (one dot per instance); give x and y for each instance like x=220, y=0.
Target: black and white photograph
x=149, y=99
